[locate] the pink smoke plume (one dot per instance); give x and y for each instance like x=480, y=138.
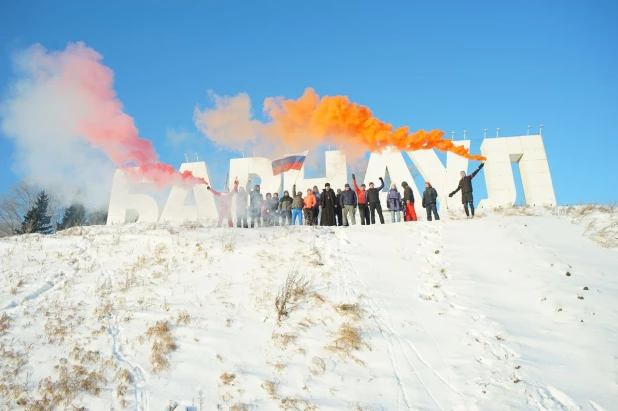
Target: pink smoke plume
x=104, y=124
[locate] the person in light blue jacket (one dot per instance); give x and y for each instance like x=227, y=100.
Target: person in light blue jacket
x=393, y=203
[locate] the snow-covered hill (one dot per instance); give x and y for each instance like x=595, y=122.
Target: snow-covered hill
x=500, y=312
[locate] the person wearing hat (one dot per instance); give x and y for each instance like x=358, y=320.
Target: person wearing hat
x=430, y=197
x=328, y=200
x=348, y=202
x=465, y=185
x=363, y=207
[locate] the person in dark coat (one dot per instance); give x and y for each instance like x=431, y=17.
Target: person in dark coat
x=297, y=207
x=241, y=208
x=338, y=209
x=408, y=202
x=348, y=202
x=430, y=197
x=373, y=199
x=285, y=208
x=465, y=185
x=328, y=199
x=256, y=202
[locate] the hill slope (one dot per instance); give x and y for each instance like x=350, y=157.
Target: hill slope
x=493, y=313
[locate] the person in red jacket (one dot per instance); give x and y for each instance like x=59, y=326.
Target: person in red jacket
x=225, y=207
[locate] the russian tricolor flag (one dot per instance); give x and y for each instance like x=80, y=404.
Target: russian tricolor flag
x=289, y=162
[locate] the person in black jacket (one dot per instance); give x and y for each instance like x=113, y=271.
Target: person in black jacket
x=430, y=196
x=285, y=208
x=465, y=185
x=373, y=198
x=338, y=208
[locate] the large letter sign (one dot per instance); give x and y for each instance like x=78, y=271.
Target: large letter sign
x=527, y=151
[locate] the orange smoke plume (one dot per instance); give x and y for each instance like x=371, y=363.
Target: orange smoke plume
x=335, y=117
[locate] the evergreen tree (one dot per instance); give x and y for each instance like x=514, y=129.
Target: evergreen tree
x=74, y=216
x=97, y=217
x=36, y=219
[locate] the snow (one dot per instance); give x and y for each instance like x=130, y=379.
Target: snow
x=453, y=315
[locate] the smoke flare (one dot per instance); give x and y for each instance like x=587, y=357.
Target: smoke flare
x=311, y=121
x=64, y=102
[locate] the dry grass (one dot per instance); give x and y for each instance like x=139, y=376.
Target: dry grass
x=228, y=241
x=277, y=366
x=352, y=311
x=162, y=346
x=284, y=339
x=347, y=340
x=318, y=366
x=227, y=378
x=183, y=317
x=269, y=387
x=289, y=403
x=239, y=406
x=295, y=287
x=5, y=323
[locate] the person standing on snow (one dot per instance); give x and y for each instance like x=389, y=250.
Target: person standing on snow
x=393, y=203
x=430, y=196
x=256, y=201
x=309, y=207
x=225, y=206
x=285, y=208
x=465, y=185
x=241, y=208
x=373, y=198
x=297, y=207
x=328, y=200
x=338, y=211
x=274, y=209
x=316, y=210
x=348, y=202
x=408, y=202
x=363, y=208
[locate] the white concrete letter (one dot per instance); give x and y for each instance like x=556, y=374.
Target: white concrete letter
x=391, y=159
x=443, y=179
x=204, y=207
x=245, y=168
x=529, y=152
x=336, y=174
x=121, y=200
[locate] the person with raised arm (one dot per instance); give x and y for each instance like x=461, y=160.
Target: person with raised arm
x=373, y=199
x=225, y=206
x=465, y=185
x=297, y=207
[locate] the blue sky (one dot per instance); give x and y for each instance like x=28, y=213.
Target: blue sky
x=446, y=65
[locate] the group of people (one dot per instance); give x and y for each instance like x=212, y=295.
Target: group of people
x=330, y=208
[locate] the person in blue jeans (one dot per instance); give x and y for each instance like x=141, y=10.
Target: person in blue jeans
x=297, y=207
x=393, y=203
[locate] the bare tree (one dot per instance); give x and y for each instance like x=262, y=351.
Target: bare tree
x=16, y=202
